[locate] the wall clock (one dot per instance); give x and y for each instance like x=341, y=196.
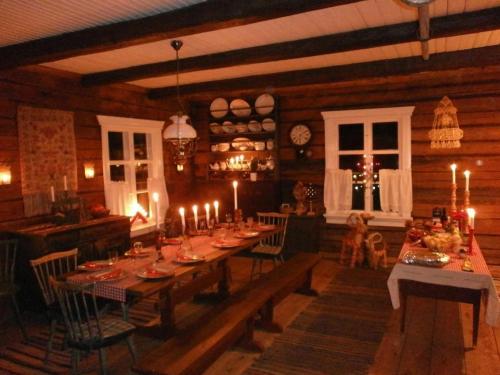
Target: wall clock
x=300, y=136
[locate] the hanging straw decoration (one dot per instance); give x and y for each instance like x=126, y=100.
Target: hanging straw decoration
x=445, y=131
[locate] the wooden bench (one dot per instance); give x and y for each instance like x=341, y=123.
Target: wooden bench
x=196, y=348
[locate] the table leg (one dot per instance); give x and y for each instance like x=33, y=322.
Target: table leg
x=223, y=285
x=167, y=312
x=476, y=307
x=306, y=288
x=403, y=302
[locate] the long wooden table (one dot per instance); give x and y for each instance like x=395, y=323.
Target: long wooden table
x=196, y=278
x=448, y=283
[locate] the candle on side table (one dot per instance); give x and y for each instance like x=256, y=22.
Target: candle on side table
x=183, y=219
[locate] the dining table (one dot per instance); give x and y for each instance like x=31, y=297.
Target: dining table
x=182, y=280
x=451, y=282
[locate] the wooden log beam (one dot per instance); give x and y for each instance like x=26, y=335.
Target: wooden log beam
x=476, y=57
x=465, y=23
x=424, y=29
x=206, y=16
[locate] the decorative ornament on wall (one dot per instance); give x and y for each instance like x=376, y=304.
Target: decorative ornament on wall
x=445, y=131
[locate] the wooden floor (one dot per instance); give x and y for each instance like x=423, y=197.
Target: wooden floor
x=437, y=340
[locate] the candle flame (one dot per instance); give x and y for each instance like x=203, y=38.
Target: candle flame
x=471, y=212
x=467, y=173
x=453, y=167
x=235, y=184
x=135, y=208
x=181, y=211
x=216, y=204
x=156, y=197
x=195, y=208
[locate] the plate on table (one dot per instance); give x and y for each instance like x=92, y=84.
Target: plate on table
x=96, y=265
x=152, y=273
x=172, y=241
x=246, y=234
x=219, y=108
x=183, y=259
x=265, y=227
x=240, y=108
x=264, y=104
x=224, y=244
x=138, y=253
x=107, y=276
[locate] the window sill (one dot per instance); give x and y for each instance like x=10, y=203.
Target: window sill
x=381, y=219
x=139, y=229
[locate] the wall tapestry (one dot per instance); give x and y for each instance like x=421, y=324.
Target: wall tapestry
x=48, y=153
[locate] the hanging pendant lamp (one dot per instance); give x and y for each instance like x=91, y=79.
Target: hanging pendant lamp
x=180, y=136
x=445, y=132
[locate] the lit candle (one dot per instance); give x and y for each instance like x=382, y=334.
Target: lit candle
x=453, y=175
x=65, y=183
x=156, y=199
x=207, y=211
x=216, y=206
x=52, y=194
x=467, y=177
x=183, y=219
x=195, y=213
x=471, y=213
x=235, y=186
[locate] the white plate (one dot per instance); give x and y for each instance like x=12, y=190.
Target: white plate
x=240, y=108
x=194, y=259
x=140, y=254
x=226, y=244
x=268, y=125
x=155, y=275
x=95, y=277
x=265, y=227
x=264, y=104
x=242, y=144
x=100, y=265
x=219, y=108
x=241, y=128
x=246, y=234
x=254, y=126
x=216, y=128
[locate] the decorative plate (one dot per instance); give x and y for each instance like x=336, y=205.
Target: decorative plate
x=264, y=104
x=241, y=128
x=219, y=108
x=242, y=144
x=425, y=258
x=268, y=125
x=240, y=108
x=97, y=265
x=254, y=126
x=216, y=128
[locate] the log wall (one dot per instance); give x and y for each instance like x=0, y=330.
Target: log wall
x=474, y=91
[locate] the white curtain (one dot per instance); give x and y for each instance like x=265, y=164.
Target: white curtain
x=396, y=191
x=338, y=189
x=157, y=185
x=118, y=198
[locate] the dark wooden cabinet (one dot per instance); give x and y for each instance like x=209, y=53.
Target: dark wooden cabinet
x=303, y=234
x=92, y=238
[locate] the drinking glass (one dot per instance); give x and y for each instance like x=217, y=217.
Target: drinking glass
x=250, y=221
x=113, y=256
x=229, y=219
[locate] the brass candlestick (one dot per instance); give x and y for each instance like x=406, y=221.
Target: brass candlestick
x=453, y=198
x=466, y=199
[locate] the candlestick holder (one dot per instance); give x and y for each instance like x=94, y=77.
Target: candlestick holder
x=470, y=240
x=466, y=199
x=453, y=198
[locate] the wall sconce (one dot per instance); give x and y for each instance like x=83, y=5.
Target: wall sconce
x=89, y=170
x=5, y=174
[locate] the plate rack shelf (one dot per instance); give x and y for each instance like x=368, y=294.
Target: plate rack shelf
x=236, y=131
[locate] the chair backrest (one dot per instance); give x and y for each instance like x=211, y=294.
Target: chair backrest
x=8, y=249
x=53, y=264
x=79, y=308
x=280, y=221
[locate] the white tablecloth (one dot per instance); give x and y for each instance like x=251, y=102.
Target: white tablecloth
x=450, y=275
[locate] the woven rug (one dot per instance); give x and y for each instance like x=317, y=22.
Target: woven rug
x=338, y=333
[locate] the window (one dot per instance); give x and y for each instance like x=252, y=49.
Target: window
x=133, y=168
x=358, y=145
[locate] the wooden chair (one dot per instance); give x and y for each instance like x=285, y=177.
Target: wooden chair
x=86, y=329
x=377, y=250
x=53, y=264
x=353, y=240
x=272, y=246
x=8, y=250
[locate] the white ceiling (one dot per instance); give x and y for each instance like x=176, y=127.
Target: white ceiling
x=22, y=20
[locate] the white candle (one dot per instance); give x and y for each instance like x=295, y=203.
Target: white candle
x=471, y=213
x=453, y=175
x=216, y=206
x=207, y=211
x=235, y=186
x=156, y=199
x=195, y=213
x=52, y=194
x=467, y=176
x=183, y=219
x=65, y=183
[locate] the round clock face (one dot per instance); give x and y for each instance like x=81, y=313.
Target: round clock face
x=300, y=135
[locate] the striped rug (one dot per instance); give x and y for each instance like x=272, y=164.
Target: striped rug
x=338, y=333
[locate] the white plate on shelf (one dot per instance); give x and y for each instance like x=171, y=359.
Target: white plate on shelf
x=254, y=126
x=268, y=125
x=240, y=108
x=264, y=104
x=219, y=108
x=216, y=128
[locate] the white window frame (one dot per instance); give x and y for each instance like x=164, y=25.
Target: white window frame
x=128, y=126
x=332, y=119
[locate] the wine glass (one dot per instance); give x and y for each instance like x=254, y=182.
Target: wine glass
x=113, y=256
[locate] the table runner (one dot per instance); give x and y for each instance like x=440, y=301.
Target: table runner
x=450, y=275
x=117, y=290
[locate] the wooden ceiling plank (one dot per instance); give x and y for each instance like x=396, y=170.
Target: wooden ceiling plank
x=206, y=16
x=478, y=57
x=473, y=22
